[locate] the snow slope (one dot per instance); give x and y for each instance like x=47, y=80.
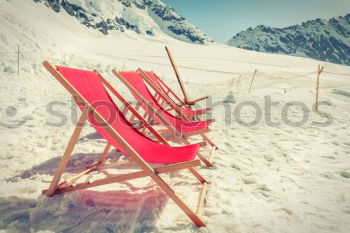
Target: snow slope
x=326, y=40
x=267, y=178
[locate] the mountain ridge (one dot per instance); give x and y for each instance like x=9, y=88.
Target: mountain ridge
x=321, y=39
x=145, y=17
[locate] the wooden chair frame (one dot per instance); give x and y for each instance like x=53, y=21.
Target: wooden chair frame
x=164, y=97
x=146, y=169
x=178, y=135
x=186, y=100
x=170, y=93
x=169, y=101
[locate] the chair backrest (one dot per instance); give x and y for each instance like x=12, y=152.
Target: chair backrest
x=159, y=84
x=169, y=92
x=136, y=81
x=155, y=80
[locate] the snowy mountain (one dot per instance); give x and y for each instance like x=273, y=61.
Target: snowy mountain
x=326, y=40
x=145, y=17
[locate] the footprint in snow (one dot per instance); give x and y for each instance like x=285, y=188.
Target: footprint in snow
x=288, y=211
x=249, y=180
x=335, y=143
x=346, y=211
x=346, y=143
x=268, y=158
x=345, y=174
x=329, y=157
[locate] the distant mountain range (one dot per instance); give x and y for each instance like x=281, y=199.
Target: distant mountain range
x=326, y=40
x=145, y=17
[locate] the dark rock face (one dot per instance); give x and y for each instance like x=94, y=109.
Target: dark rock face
x=54, y=4
x=168, y=19
x=186, y=32
x=326, y=40
x=164, y=12
x=126, y=3
x=176, y=24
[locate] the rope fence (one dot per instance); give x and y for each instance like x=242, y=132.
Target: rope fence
x=235, y=82
x=231, y=82
x=336, y=73
x=123, y=66
x=245, y=81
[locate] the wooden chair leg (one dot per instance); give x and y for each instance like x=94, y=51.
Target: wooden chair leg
x=211, y=154
x=201, y=200
x=187, y=210
x=63, y=163
x=210, y=142
x=201, y=179
x=104, y=154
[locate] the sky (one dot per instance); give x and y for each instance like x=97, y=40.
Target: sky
x=222, y=19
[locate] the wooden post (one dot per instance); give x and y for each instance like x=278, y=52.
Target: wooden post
x=177, y=75
x=232, y=82
x=251, y=84
x=18, y=60
x=239, y=80
x=319, y=71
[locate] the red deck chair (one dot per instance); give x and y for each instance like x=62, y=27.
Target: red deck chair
x=99, y=109
x=183, y=128
x=160, y=95
x=171, y=97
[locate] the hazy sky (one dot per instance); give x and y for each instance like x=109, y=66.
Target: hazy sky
x=221, y=19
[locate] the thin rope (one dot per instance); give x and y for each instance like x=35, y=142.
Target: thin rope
x=335, y=73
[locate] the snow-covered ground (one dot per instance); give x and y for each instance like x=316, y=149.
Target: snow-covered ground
x=267, y=178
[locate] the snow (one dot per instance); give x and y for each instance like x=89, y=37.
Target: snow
x=266, y=178
x=109, y=9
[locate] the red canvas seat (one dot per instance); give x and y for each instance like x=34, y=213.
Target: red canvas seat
x=181, y=125
x=92, y=89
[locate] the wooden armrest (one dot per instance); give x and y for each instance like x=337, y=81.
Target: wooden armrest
x=193, y=102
